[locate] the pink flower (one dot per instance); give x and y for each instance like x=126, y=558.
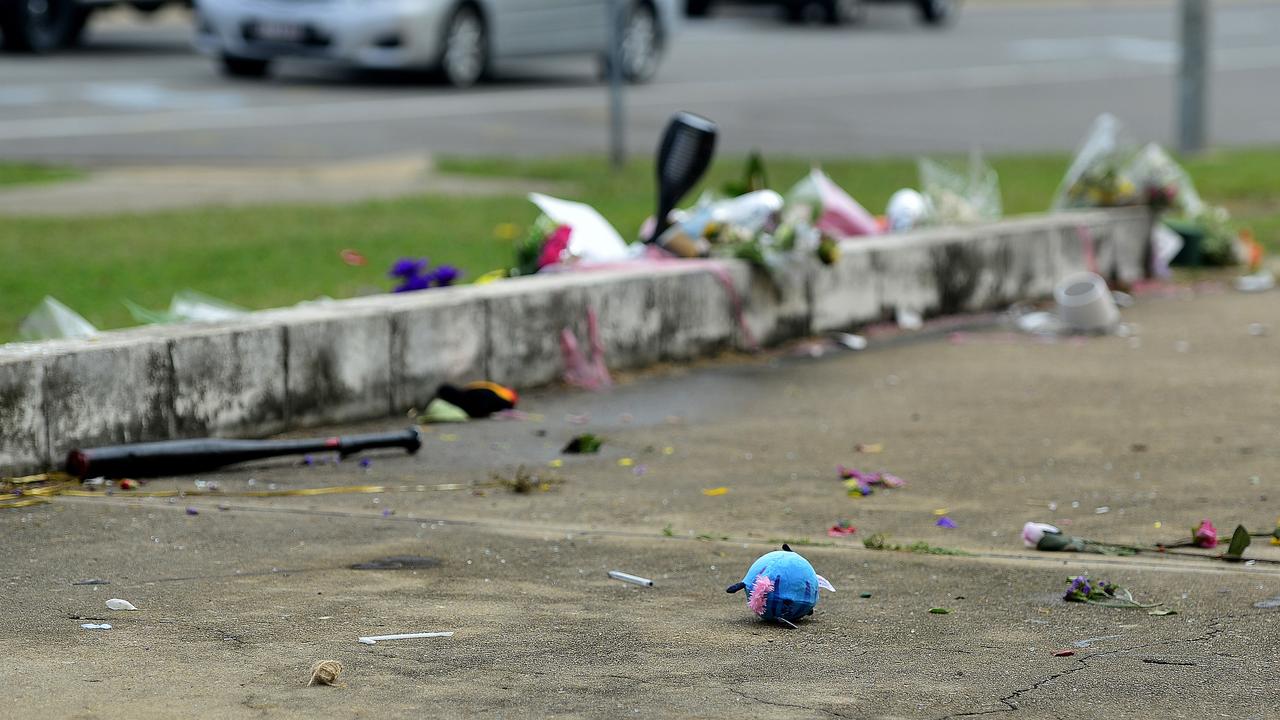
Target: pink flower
x=1033, y=531
x=1205, y=534
x=891, y=481
x=554, y=248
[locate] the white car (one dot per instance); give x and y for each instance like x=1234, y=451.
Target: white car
x=459, y=38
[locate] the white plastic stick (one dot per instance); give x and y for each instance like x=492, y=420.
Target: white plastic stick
x=633, y=579
x=371, y=639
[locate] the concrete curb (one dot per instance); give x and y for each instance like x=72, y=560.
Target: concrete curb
x=378, y=356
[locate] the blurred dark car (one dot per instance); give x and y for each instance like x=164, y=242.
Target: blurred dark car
x=834, y=12
x=42, y=26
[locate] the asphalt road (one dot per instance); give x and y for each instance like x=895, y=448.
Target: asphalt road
x=1004, y=78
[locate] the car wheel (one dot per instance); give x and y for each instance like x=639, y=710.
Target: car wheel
x=40, y=26
x=697, y=8
x=843, y=12
x=806, y=12
x=465, y=56
x=641, y=44
x=937, y=12
x=243, y=67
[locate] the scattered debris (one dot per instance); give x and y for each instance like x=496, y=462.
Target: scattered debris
x=585, y=444
x=715, y=492
x=1088, y=642
x=864, y=595
x=181, y=457
x=96, y=626
x=118, y=604
x=850, y=341
x=629, y=578
x=1085, y=305
x=1260, y=281
x=841, y=529
x=479, y=399
x=443, y=411
x=860, y=484
x=581, y=371
x=92, y=581
x=1162, y=611
x=946, y=522
x=192, y=511
x=908, y=319
x=869, y=447
x=1270, y=603
x=1064, y=653
x=939, y=611
x=880, y=541
x=374, y=639
x=353, y=257
x=325, y=672
x=525, y=481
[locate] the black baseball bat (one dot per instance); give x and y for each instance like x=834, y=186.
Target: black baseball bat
x=183, y=457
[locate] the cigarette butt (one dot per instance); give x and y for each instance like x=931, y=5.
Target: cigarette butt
x=628, y=578
x=371, y=639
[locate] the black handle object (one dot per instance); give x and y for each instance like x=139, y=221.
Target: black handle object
x=183, y=457
x=683, y=156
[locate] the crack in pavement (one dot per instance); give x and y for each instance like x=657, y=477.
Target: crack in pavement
x=1215, y=628
x=762, y=701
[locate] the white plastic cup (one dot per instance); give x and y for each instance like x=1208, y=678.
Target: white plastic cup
x=1085, y=304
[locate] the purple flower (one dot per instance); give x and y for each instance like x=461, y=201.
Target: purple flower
x=411, y=284
x=446, y=275
x=946, y=522
x=408, y=267
x=1079, y=590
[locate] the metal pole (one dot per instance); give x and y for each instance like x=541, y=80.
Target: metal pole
x=1193, y=78
x=617, y=139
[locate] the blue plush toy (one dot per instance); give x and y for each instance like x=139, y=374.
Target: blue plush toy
x=781, y=586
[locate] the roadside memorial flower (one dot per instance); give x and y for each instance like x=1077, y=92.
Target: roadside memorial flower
x=841, y=529
x=414, y=274
x=860, y=484
x=1033, y=532
x=1205, y=535
x=1104, y=593
x=555, y=246
x=1046, y=537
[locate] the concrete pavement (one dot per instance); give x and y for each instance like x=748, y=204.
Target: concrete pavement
x=1105, y=436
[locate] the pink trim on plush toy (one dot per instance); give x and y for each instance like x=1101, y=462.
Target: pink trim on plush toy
x=759, y=594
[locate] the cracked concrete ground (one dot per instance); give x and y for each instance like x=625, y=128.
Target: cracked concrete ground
x=1106, y=437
